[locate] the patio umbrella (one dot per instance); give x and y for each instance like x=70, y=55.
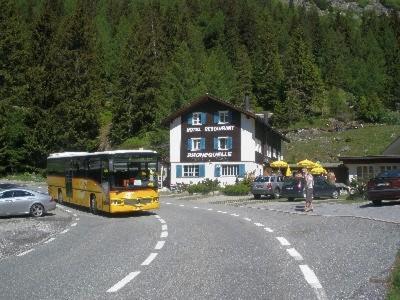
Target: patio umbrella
x=288, y=171
x=318, y=171
x=305, y=164
x=279, y=164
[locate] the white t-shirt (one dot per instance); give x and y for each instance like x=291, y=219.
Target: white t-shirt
x=309, y=181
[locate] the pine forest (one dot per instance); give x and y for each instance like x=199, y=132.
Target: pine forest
x=91, y=75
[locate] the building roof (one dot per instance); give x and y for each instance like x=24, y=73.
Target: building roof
x=370, y=159
x=393, y=148
x=206, y=98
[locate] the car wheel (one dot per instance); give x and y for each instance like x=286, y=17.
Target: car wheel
x=290, y=199
x=277, y=193
x=335, y=195
x=93, y=205
x=257, y=196
x=60, y=197
x=37, y=210
x=377, y=202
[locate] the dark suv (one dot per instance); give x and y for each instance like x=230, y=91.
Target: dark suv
x=267, y=185
x=385, y=186
x=293, y=187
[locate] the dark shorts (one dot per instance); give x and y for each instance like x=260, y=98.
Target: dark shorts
x=309, y=195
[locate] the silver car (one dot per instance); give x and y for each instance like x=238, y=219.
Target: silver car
x=18, y=201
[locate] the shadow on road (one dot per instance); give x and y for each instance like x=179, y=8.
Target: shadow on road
x=387, y=203
x=108, y=215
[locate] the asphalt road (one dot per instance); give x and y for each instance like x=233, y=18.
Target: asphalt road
x=193, y=249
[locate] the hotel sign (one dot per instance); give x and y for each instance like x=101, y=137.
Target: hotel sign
x=209, y=154
x=211, y=128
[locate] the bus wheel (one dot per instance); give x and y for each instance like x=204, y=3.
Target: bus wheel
x=93, y=204
x=60, y=197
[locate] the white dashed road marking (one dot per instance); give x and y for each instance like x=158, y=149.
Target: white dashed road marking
x=181, y=205
x=123, y=282
x=268, y=229
x=25, y=252
x=312, y=280
x=210, y=209
x=149, y=259
x=159, y=245
x=73, y=224
x=164, y=227
x=49, y=240
x=162, y=221
x=283, y=241
x=293, y=253
x=64, y=231
x=164, y=234
x=259, y=224
x=247, y=219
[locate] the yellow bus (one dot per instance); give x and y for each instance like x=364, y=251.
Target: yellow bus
x=110, y=181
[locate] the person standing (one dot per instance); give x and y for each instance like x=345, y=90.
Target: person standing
x=309, y=190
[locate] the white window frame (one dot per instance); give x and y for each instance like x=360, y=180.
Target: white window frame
x=226, y=143
x=365, y=172
x=229, y=170
x=196, y=144
x=190, y=171
x=196, y=118
x=223, y=117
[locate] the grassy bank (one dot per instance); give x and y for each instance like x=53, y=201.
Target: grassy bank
x=325, y=146
x=25, y=177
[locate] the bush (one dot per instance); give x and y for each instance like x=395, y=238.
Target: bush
x=240, y=189
x=204, y=187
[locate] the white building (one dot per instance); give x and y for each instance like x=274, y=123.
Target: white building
x=211, y=138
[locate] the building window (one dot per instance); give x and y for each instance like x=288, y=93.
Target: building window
x=223, y=117
x=191, y=171
x=196, y=144
x=365, y=172
x=196, y=118
x=258, y=146
x=223, y=143
x=230, y=170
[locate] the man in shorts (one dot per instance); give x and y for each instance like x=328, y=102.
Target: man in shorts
x=309, y=190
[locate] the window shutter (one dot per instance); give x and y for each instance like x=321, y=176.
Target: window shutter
x=215, y=143
x=216, y=117
x=203, y=118
x=178, y=171
x=190, y=119
x=189, y=144
x=242, y=170
x=229, y=116
x=202, y=171
x=203, y=144
x=217, y=171
x=229, y=143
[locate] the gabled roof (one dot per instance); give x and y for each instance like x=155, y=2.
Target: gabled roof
x=393, y=148
x=206, y=98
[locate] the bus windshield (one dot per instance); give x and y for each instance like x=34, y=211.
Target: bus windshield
x=133, y=171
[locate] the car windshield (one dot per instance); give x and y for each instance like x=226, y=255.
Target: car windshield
x=389, y=174
x=262, y=179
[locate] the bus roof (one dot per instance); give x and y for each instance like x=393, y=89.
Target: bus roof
x=80, y=154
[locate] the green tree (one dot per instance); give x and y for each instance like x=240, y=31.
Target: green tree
x=302, y=76
x=138, y=81
x=243, y=70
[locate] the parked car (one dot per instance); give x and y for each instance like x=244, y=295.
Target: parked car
x=267, y=185
x=385, y=186
x=293, y=187
x=22, y=201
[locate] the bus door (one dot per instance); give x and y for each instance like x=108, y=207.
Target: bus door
x=68, y=180
x=105, y=181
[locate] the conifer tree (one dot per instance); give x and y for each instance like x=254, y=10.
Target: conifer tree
x=244, y=77
x=268, y=74
x=138, y=81
x=302, y=76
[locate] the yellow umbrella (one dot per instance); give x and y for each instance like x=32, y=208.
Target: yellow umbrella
x=317, y=165
x=288, y=171
x=305, y=164
x=318, y=170
x=279, y=164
